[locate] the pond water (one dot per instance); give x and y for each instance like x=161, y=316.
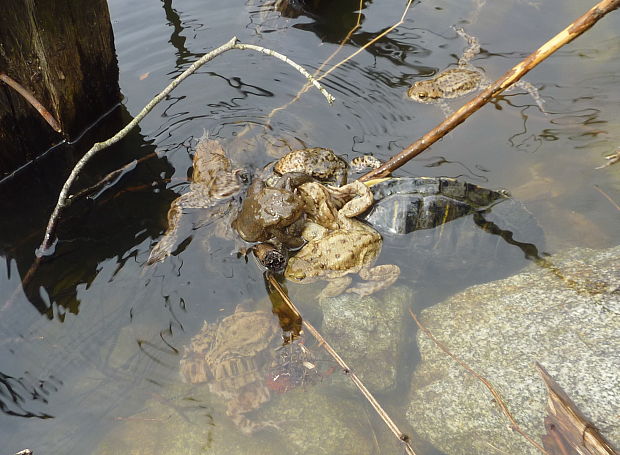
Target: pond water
x=96, y=337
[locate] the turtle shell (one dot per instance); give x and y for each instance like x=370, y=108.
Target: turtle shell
x=404, y=205
x=453, y=230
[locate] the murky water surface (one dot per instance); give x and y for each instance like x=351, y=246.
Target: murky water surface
x=96, y=338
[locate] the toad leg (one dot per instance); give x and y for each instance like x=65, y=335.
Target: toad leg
x=335, y=286
x=166, y=244
x=195, y=199
x=360, y=198
x=246, y=401
x=376, y=278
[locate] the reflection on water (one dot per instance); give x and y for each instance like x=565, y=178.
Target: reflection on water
x=94, y=341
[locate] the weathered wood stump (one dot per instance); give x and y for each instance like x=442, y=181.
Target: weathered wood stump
x=63, y=53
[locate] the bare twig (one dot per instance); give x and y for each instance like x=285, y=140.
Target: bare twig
x=571, y=32
x=49, y=118
x=369, y=43
x=360, y=385
x=63, y=198
x=284, y=58
x=498, y=398
x=607, y=196
x=111, y=176
x=306, y=86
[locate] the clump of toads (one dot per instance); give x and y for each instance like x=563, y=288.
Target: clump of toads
x=301, y=204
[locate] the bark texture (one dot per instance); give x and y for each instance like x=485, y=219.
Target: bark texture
x=62, y=51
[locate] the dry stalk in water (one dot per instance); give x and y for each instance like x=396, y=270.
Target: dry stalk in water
x=568, y=429
x=369, y=43
x=63, y=199
x=498, y=398
x=305, y=88
x=608, y=197
x=571, y=32
x=358, y=383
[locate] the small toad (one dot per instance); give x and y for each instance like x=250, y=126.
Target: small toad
x=459, y=81
x=320, y=163
x=213, y=184
x=234, y=357
x=323, y=164
x=338, y=244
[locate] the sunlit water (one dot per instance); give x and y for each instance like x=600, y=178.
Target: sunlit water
x=98, y=334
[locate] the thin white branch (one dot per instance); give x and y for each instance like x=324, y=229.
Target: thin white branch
x=284, y=58
x=63, y=199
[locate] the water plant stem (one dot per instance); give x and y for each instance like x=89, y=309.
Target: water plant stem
x=496, y=395
x=345, y=368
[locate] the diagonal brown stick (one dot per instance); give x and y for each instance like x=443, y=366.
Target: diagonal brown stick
x=49, y=118
x=571, y=32
x=360, y=385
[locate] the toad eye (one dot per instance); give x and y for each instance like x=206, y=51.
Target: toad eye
x=422, y=95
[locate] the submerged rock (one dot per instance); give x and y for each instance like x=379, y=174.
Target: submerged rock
x=188, y=419
x=564, y=314
x=322, y=420
x=368, y=332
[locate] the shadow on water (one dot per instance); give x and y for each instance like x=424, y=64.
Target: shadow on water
x=16, y=392
x=103, y=225
x=331, y=21
x=183, y=55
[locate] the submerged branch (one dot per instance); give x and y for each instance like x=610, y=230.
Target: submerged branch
x=571, y=32
x=360, y=385
x=49, y=118
x=63, y=199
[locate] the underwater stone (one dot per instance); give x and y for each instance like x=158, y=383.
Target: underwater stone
x=368, y=333
x=564, y=315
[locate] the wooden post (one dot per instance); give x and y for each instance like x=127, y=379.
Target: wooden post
x=62, y=51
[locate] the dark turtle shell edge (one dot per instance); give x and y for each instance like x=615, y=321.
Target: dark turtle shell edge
x=406, y=204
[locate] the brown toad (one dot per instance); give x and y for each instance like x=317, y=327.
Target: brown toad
x=456, y=82
x=323, y=164
x=213, y=183
x=234, y=357
x=320, y=163
x=269, y=213
x=338, y=244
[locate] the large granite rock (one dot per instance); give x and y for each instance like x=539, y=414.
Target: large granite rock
x=564, y=314
x=368, y=332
